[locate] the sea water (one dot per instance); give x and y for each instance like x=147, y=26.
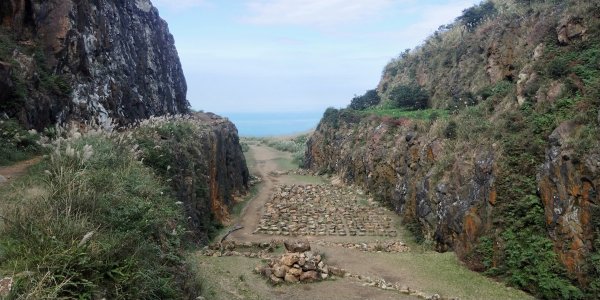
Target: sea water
x=274, y=123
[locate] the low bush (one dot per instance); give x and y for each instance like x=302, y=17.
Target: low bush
x=409, y=97
x=369, y=99
x=16, y=143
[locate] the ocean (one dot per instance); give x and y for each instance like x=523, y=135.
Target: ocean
x=274, y=124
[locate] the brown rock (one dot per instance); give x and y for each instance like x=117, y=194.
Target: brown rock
x=289, y=259
x=335, y=271
x=302, y=261
x=295, y=271
x=309, y=276
x=279, y=271
x=297, y=246
x=290, y=278
x=275, y=279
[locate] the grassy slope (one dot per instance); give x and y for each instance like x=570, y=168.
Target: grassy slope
x=92, y=186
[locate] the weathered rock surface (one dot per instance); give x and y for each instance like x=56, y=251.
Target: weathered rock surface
x=92, y=60
x=207, y=169
x=398, y=167
x=569, y=191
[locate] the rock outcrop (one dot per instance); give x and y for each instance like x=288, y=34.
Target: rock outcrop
x=512, y=147
x=200, y=155
x=398, y=167
x=87, y=61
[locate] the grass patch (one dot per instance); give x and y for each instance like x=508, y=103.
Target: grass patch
x=92, y=222
x=421, y=114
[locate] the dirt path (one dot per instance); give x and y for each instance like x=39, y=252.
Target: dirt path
x=418, y=269
x=9, y=173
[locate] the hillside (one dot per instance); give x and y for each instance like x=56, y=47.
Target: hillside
x=107, y=179
x=485, y=140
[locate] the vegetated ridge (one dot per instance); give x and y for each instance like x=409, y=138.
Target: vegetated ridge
x=485, y=139
x=130, y=176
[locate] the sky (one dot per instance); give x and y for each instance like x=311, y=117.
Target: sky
x=250, y=56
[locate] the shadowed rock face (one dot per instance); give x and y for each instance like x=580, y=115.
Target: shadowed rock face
x=398, y=166
x=118, y=58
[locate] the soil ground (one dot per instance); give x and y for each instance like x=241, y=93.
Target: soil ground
x=13, y=171
x=419, y=269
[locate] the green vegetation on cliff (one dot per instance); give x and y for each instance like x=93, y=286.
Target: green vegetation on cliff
x=508, y=175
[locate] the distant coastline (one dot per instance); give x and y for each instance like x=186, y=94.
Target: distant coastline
x=274, y=123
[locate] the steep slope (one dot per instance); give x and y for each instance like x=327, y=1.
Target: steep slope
x=87, y=61
x=202, y=158
x=509, y=179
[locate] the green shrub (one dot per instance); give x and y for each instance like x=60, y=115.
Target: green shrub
x=16, y=143
x=409, y=97
x=475, y=15
x=369, y=99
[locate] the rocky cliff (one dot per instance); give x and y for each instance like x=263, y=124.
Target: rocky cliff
x=87, y=61
x=200, y=155
x=505, y=168
x=97, y=63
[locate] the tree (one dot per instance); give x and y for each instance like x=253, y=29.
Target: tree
x=409, y=97
x=475, y=15
x=369, y=99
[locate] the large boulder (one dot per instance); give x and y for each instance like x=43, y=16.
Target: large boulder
x=297, y=246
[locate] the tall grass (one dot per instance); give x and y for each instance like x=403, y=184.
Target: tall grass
x=92, y=222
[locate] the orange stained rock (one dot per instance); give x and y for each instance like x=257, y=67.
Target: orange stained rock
x=493, y=195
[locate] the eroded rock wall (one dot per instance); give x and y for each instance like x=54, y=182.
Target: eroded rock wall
x=401, y=168
x=108, y=58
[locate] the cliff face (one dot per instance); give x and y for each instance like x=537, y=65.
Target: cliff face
x=88, y=61
x=202, y=158
x=400, y=166
x=509, y=178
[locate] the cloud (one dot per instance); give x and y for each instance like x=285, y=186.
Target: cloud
x=178, y=4
x=431, y=17
x=312, y=12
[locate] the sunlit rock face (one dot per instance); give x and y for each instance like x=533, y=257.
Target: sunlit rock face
x=116, y=58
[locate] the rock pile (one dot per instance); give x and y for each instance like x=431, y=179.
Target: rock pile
x=319, y=210
x=299, y=264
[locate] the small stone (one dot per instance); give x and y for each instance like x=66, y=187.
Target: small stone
x=309, y=276
x=324, y=276
x=302, y=261
x=335, y=271
x=297, y=246
x=290, y=278
x=289, y=259
x=275, y=279
x=2, y=179
x=279, y=271
x=295, y=271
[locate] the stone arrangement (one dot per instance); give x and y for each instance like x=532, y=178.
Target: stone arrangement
x=384, y=246
x=323, y=210
x=263, y=250
x=299, y=264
